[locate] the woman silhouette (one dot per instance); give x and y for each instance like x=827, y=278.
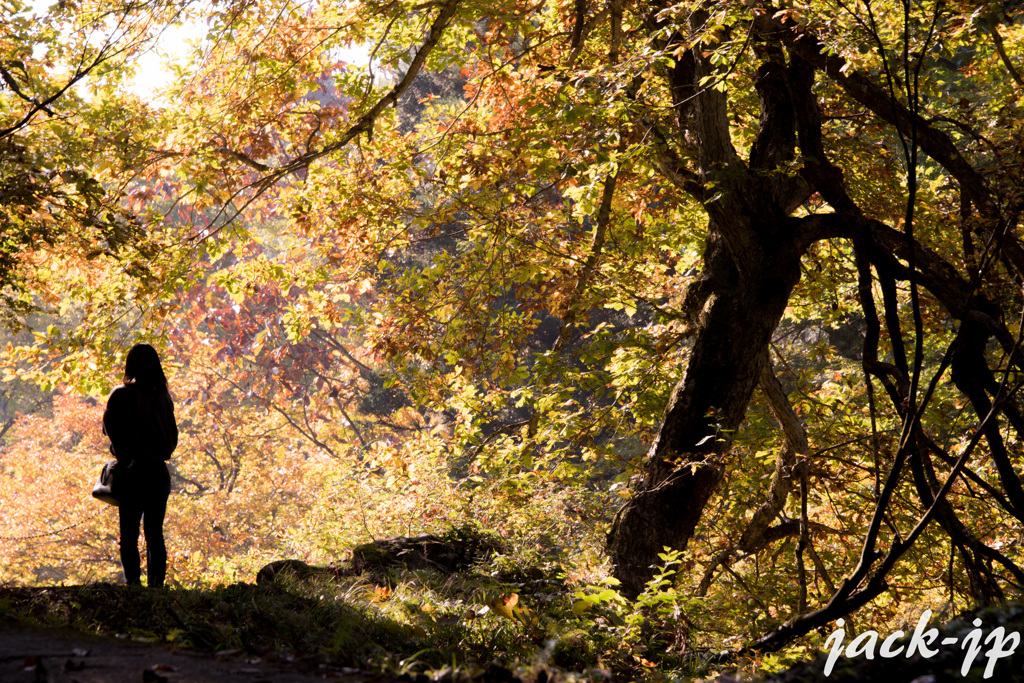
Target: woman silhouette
x=139, y=420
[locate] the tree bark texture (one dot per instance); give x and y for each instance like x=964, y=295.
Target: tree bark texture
x=751, y=264
x=684, y=465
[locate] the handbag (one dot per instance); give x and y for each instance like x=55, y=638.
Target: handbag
x=104, y=488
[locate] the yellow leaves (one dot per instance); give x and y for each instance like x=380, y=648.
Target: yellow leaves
x=470, y=182
x=509, y=607
x=505, y=605
x=788, y=14
x=629, y=307
x=679, y=51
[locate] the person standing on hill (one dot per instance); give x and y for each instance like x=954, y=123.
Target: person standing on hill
x=139, y=419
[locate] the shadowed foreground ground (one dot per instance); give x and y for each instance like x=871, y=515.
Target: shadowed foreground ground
x=245, y=633
x=33, y=654
x=406, y=607
x=296, y=623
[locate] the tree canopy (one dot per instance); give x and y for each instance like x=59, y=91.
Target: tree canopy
x=745, y=278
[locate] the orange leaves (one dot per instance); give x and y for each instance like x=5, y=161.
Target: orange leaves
x=50, y=465
x=505, y=605
x=381, y=594
x=509, y=607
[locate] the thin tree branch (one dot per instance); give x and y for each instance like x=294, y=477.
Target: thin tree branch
x=1001, y=49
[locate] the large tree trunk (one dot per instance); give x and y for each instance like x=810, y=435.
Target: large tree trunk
x=683, y=466
x=751, y=264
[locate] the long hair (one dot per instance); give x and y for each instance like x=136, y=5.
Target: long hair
x=142, y=366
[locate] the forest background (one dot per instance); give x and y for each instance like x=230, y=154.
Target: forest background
x=732, y=289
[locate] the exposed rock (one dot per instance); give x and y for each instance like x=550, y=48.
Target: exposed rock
x=296, y=570
x=452, y=552
x=423, y=552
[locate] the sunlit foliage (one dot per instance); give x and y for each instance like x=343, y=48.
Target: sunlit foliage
x=463, y=281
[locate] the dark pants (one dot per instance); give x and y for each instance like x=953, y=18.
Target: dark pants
x=150, y=511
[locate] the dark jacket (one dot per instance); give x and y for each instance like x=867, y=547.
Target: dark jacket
x=143, y=434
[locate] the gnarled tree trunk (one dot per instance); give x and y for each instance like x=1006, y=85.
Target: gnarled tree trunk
x=751, y=264
x=684, y=464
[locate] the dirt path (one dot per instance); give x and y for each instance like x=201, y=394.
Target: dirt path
x=36, y=655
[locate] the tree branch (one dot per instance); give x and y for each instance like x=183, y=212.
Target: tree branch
x=365, y=123
x=1001, y=49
